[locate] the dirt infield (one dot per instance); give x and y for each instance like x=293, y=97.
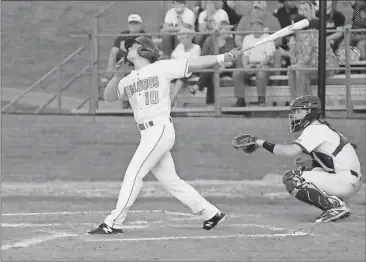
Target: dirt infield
x=61, y=176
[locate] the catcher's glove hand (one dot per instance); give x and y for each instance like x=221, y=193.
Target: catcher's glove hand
x=245, y=142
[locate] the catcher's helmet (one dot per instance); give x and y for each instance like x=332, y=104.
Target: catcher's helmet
x=299, y=120
x=148, y=49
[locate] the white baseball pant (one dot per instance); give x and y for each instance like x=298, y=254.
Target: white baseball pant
x=153, y=154
x=341, y=184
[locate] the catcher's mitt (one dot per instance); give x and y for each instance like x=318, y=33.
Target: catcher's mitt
x=245, y=142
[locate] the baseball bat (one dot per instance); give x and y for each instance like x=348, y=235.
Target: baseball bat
x=281, y=33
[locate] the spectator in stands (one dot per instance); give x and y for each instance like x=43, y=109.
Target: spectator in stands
x=358, y=39
x=118, y=51
x=308, y=9
x=210, y=18
x=225, y=43
x=241, y=7
x=229, y=8
x=304, y=49
x=175, y=19
x=197, y=9
x=184, y=50
x=285, y=15
x=335, y=21
x=135, y=26
x=259, y=9
x=260, y=57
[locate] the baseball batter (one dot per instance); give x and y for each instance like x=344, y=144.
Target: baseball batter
x=332, y=174
x=148, y=90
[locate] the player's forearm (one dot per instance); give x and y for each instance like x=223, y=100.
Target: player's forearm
x=280, y=150
x=284, y=150
x=207, y=61
x=110, y=93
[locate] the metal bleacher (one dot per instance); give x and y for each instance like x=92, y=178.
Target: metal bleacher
x=278, y=94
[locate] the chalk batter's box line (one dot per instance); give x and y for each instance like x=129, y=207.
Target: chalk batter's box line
x=287, y=232
x=165, y=238
x=186, y=216
x=96, y=212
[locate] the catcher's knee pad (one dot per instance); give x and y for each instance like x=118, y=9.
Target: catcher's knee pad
x=308, y=192
x=292, y=179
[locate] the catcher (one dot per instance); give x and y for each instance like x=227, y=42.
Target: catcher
x=330, y=175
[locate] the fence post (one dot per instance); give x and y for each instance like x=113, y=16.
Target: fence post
x=95, y=69
x=349, y=106
x=59, y=91
x=90, y=71
x=216, y=78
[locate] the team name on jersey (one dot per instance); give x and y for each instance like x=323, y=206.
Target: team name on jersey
x=142, y=85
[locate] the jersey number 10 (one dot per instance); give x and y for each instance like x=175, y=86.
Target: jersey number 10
x=151, y=97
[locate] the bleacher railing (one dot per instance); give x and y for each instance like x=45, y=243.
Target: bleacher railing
x=60, y=87
x=217, y=106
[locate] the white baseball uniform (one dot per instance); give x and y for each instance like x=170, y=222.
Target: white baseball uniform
x=339, y=170
x=148, y=90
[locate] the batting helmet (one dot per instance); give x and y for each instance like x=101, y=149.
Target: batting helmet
x=148, y=49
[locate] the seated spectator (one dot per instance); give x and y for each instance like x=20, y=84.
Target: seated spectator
x=226, y=44
x=241, y=7
x=304, y=49
x=307, y=9
x=210, y=18
x=229, y=8
x=197, y=9
x=259, y=9
x=358, y=39
x=175, y=19
x=285, y=15
x=184, y=50
x=335, y=21
x=118, y=51
x=260, y=57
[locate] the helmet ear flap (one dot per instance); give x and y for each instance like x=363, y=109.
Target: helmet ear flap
x=141, y=50
x=148, y=54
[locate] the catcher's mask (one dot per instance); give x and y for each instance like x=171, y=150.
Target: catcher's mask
x=148, y=49
x=304, y=111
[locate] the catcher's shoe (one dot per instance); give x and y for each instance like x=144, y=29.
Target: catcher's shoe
x=212, y=222
x=104, y=229
x=334, y=214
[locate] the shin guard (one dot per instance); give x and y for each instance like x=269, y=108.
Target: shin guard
x=308, y=192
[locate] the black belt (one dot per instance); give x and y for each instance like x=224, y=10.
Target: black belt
x=143, y=126
x=355, y=174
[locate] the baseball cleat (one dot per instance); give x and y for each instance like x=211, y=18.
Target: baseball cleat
x=212, y=222
x=104, y=229
x=334, y=214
